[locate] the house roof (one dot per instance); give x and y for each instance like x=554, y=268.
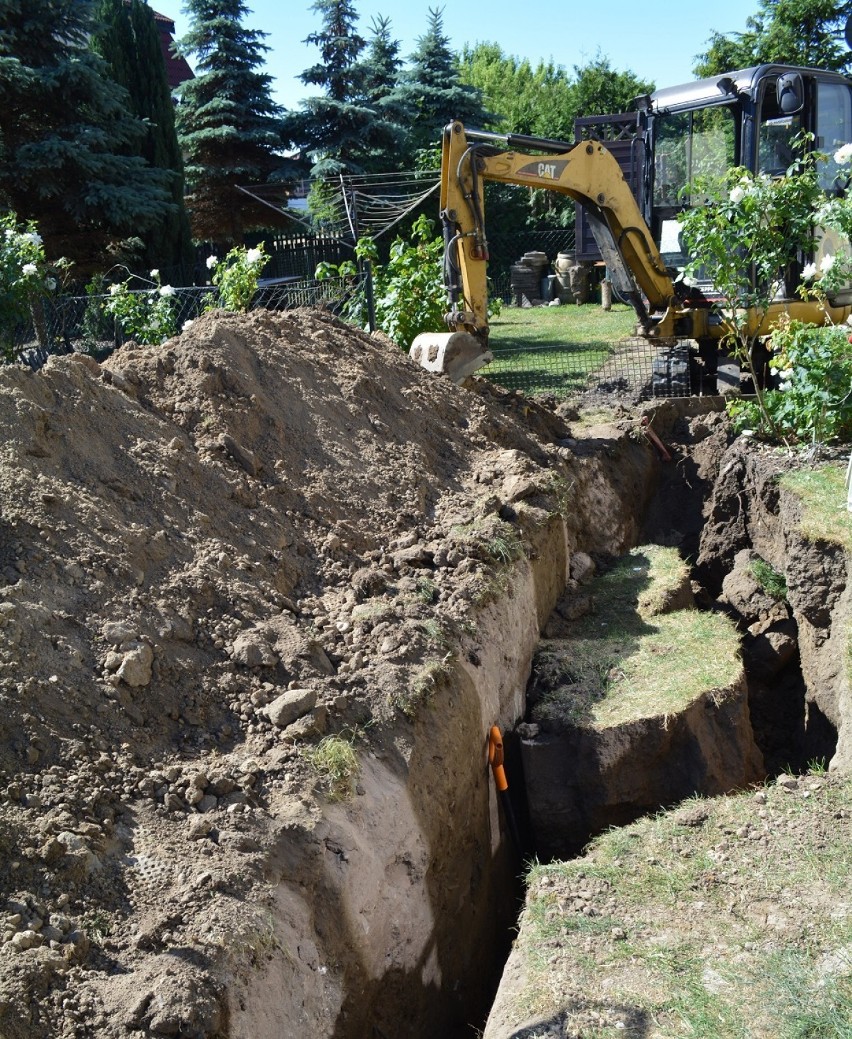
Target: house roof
x=177, y=67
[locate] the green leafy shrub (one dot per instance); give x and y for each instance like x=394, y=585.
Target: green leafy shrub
x=813, y=401
x=236, y=277
x=26, y=280
x=408, y=290
x=145, y=315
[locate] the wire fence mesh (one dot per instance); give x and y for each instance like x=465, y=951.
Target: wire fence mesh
x=633, y=367
x=82, y=324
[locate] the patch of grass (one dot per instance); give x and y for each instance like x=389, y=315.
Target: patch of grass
x=427, y=591
x=619, y=665
x=769, y=579
x=823, y=496
x=334, y=759
x=424, y=683
x=553, y=349
x=725, y=918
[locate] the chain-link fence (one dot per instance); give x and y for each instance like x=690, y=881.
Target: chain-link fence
x=83, y=324
x=633, y=367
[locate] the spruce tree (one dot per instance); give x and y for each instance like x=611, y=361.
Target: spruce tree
x=229, y=128
x=129, y=41
x=67, y=139
x=342, y=129
x=433, y=90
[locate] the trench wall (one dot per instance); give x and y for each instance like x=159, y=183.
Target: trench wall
x=390, y=915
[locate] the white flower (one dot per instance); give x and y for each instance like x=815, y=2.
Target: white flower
x=50, y=284
x=843, y=154
x=166, y=290
x=32, y=237
x=211, y=262
x=784, y=384
x=787, y=374
x=737, y=194
x=114, y=290
x=29, y=268
x=155, y=273
x=809, y=271
x=187, y=325
x=9, y=233
x=253, y=255
x=826, y=263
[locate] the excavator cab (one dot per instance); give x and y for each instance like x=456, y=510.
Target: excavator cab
x=746, y=118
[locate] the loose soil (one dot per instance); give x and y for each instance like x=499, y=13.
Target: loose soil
x=222, y=562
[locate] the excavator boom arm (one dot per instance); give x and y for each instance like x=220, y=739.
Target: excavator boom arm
x=586, y=172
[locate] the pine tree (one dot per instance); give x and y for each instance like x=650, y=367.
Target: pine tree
x=228, y=125
x=129, y=41
x=433, y=90
x=67, y=139
x=343, y=129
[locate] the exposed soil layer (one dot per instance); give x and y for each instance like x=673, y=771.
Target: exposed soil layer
x=214, y=556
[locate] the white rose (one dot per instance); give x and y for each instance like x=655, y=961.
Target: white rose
x=809, y=271
x=114, y=290
x=155, y=273
x=826, y=263
x=29, y=268
x=843, y=154
x=211, y=262
x=737, y=194
x=166, y=290
x=32, y=237
x=253, y=255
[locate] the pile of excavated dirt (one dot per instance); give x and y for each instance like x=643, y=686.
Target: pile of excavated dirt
x=225, y=564
x=211, y=554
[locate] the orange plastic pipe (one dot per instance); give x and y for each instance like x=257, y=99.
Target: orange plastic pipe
x=495, y=758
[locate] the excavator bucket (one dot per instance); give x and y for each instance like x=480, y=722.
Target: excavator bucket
x=454, y=354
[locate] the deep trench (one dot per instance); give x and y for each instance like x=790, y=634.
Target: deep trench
x=790, y=731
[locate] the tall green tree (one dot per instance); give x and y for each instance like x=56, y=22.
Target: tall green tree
x=68, y=143
x=229, y=127
x=433, y=89
x=523, y=99
x=789, y=32
x=352, y=126
x=128, y=39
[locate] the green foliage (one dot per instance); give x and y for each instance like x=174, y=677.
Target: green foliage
x=433, y=90
x=236, y=277
x=144, y=315
x=229, y=128
x=769, y=579
x=26, y=280
x=408, y=290
x=128, y=39
x=68, y=151
x=814, y=400
x=789, y=32
x=744, y=236
x=354, y=124
x=336, y=762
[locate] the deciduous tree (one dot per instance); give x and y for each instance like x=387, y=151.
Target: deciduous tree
x=789, y=32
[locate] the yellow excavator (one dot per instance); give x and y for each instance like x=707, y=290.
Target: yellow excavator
x=746, y=118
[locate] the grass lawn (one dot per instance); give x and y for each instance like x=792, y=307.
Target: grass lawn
x=552, y=349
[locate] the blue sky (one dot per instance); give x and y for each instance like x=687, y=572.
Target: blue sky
x=657, y=41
